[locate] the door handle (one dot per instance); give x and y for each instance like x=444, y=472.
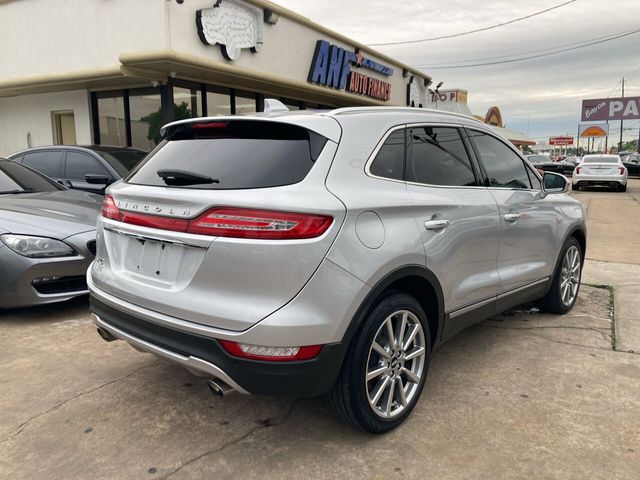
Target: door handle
x=511, y=217
x=436, y=224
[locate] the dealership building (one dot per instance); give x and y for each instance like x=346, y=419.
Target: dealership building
x=112, y=72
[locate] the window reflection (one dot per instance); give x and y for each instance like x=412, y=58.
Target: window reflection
x=146, y=120
x=111, y=121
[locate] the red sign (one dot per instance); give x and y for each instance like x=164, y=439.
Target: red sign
x=561, y=141
x=627, y=108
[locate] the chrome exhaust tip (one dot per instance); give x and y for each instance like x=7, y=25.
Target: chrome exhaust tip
x=218, y=387
x=106, y=336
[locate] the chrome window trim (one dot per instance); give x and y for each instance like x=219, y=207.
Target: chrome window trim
x=367, y=166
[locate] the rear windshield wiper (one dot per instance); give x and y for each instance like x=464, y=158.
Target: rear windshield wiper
x=183, y=177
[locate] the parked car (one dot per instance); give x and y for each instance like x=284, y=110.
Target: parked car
x=600, y=170
x=328, y=253
x=632, y=164
x=544, y=163
x=47, y=237
x=88, y=168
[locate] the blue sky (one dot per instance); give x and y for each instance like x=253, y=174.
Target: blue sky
x=541, y=97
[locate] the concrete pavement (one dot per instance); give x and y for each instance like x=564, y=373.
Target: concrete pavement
x=523, y=395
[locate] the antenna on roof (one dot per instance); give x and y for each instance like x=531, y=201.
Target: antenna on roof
x=272, y=105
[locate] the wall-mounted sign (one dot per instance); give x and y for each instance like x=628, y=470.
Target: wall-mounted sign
x=561, y=141
x=627, y=108
x=594, y=130
x=449, y=96
x=331, y=67
x=233, y=25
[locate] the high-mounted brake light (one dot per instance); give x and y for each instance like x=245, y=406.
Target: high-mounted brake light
x=198, y=126
x=229, y=222
x=270, y=354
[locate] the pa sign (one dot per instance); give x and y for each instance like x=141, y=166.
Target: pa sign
x=627, y=108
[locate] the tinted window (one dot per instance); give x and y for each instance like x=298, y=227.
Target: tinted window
x=47, y=162
x=439, y=158
x=122, y=161
x=79, y=164
x=535, y=181
x=15, y=177
x=389, y=162
x=237, y=154
x=504, y=167
x=538, y=159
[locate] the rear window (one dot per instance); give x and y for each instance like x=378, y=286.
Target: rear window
x=232, y=155
x=600, y=160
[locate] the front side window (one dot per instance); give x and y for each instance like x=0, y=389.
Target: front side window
x=389, y=161
x=438, y=157
x=80, y=164
x=16, y=178
x=504, y=167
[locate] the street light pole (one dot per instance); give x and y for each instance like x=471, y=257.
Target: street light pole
x=621, y=120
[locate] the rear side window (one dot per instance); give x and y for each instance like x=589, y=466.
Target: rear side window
x=231, y=155
x=504, y=167
x=47, y=162
x=389, y=162
x=438, y=157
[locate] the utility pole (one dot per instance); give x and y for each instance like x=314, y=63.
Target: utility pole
x=621, y=120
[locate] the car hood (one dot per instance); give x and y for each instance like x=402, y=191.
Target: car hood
x=51, y=214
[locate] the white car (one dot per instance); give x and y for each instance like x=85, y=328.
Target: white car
x=601, y=170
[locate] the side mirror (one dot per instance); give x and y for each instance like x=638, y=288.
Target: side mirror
x=97, y=179
x=554, y=183
x=64, y=182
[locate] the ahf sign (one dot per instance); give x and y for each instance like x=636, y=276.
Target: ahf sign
x=627, y=108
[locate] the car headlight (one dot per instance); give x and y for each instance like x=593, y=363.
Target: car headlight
x=36, y=247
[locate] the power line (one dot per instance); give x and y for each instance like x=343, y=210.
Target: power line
x=626, y=34
x=469, y=32
x=526, y=52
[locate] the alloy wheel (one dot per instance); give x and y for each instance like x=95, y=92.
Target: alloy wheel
x=395, y=365
x=570, y=276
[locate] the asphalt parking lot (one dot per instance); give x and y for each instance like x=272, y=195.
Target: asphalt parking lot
x=523, y=395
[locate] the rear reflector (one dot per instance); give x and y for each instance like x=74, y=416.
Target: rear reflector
x=229, y=222
x=270, y=354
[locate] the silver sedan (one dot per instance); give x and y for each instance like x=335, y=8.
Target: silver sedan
x=47, y=238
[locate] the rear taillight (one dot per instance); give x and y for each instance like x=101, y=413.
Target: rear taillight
x=270, y=354
x=578, y=170
x=229, y=222
x=621, y=170
x=259, y=224
x=109, y=209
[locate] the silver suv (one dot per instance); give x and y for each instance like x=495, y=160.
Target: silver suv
x=307, y=254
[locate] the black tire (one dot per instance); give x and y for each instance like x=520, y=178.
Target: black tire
x=622, y=188
x=552, y=302
x=349, y=397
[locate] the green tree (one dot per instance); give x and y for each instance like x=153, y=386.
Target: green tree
x=155, y=122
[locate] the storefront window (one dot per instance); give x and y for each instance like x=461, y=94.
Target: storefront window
x=111, y=121
x=245, y=102
x=188, y=102
x=218, y=102
x=146, y=118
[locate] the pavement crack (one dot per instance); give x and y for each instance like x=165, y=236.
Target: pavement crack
x=24, y=424
x=235, y=441
x=530, y=331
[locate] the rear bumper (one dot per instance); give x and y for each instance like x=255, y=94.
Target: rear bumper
x=599, y=180
x=205, y=357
